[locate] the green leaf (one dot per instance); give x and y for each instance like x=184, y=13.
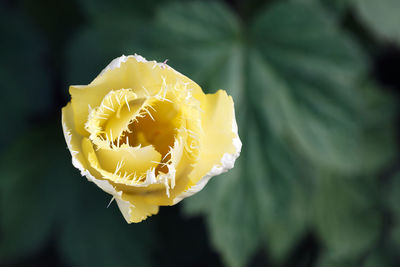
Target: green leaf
x=337, y=8
x=309, y=81
x=382, y=256
x=325, y=260
x=377, y=150
x=346, y=217
x=201, y=202
x=234, y=220
x=301, y=84
x=391, y=192
x=281, y=198
x=382, y=17
x=215, y=38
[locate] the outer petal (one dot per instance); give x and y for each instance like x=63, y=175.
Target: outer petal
x=220, y=144
x=72, y=138
x=133, y=72
x=134, y=209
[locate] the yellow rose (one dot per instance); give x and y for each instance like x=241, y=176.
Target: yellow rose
x=148, y=135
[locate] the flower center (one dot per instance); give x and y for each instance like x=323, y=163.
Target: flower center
x=157, y=127
x=146, y=124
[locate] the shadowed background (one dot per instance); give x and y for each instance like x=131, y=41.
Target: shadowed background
x=315, y=85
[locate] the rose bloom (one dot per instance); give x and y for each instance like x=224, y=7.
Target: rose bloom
x=148, y=135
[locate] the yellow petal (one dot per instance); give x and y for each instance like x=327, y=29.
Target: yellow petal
x=129, y=160
x=143, y=77
x=220, y=145
x=127, y=165
x=134, y=209
x=79, y=161
x=72, y=138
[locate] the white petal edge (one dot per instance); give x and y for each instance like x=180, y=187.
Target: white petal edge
x=227, y=162
x=124, y=206
x=116, y=63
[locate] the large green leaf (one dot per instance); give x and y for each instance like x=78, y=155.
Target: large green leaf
x=281, y=197
x=233, y=219
x=382, y=17
x=299, y=86
x=302, y=83
x=298, y=78
x=381, y=256
x=307, y=92
x=392, y=200
x=336, y=8
x=346, y=216
x=213, y=32
x=326, y=261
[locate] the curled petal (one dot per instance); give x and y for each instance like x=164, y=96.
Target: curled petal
x=145, y=77
x=220, y=145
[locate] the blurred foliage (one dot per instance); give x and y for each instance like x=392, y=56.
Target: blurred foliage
x=317, y=183
x=22, y=47
x=381, y=16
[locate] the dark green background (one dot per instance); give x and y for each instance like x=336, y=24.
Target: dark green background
x=315, y=85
